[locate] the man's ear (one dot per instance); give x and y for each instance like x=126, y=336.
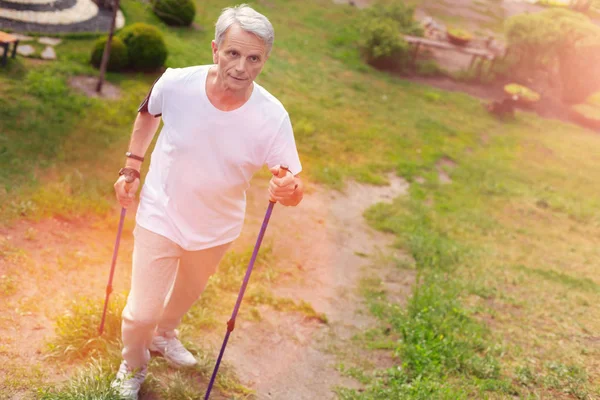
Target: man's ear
x=215, y=52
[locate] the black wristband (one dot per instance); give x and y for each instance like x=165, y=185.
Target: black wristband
x=131, y=155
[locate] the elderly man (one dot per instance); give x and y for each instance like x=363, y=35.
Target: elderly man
x=220, y=127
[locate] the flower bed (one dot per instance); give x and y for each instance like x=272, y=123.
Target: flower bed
x=459, y=37
x=40, y=16
x=527, y=97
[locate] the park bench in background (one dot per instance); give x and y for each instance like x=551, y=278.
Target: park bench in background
x=5, y=41
x=477, y=54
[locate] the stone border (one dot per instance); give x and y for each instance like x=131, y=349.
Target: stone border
x=31, y=2
x=83, y=10
x=57, y=5
x=99, y=24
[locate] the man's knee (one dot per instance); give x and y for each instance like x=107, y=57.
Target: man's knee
x=139, y=320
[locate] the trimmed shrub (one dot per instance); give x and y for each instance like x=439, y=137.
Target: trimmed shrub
x=175, y=12
x=382, y=46
x=145, y=45
x=119, y=57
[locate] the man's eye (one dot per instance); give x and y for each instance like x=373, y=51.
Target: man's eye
x=233, y=53
x=254, y=58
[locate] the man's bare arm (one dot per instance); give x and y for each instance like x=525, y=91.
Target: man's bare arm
x=144, y=129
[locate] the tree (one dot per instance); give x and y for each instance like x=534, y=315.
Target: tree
x=106, y=54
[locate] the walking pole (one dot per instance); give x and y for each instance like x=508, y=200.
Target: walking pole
x=231, y=322
x=112, y=268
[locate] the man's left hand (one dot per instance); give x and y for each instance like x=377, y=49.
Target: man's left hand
x=284, y=187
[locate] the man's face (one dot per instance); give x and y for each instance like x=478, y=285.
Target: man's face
x=240, y=58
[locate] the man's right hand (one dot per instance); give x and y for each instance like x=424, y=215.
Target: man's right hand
x=125, y=190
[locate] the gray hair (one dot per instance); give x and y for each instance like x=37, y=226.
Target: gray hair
x=249, y=20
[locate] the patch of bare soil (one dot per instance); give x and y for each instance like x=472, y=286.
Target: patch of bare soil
x=51, y=263
x=87, y=86
x=322, y=244
x=285, y=356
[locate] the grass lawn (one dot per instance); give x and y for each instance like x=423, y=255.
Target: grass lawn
x=505, y=254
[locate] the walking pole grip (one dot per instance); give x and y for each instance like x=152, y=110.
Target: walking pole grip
x=283, y=170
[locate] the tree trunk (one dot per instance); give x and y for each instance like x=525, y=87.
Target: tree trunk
x=106, y=54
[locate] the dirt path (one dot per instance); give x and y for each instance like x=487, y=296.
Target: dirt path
x=283, y=356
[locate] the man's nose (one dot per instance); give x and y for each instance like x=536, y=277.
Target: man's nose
x=240, y=64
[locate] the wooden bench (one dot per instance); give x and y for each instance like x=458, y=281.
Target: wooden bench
x=5, y=41
x=417, y=42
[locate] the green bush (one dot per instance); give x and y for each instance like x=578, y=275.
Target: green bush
x=175, y=12
x=382, y=46
x=560, y=43
x=119, y=57
x=538, y=39
x=145, y=45
x=402, y=14
x=533, y=38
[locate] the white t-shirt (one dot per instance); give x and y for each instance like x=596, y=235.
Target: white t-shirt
x=195, y=191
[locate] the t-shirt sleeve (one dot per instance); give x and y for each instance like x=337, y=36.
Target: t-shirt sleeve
x=283, y=149
x=153, y=103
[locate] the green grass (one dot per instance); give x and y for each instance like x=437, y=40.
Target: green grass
x=524, y=193
x=461, y=243
x=579, y=284
x=72, y=136
x=444, y=351
x=76, y=333
x=90, y=383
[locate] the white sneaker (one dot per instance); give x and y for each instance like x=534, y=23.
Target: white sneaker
x=172, y=350
x=128, y=382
